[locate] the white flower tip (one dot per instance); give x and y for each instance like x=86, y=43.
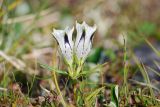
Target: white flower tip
x=94, y=27
x=72, y=29
x=76, y=21
x=69, y=29
x=78, y=24
x=53, y=31
x=84, y=23
x=57, y=32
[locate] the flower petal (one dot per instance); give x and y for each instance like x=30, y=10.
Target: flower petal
x=79, y=28
x=89, y=32
x=88, y=38
x=66, y=49
x=59, y=36
x=67, y=53
x=79, y=49
x=79, y=43
x=69, y=32
x=83, y=42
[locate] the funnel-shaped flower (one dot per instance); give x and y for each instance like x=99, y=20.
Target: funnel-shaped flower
x=83, y=41
x=64, y=39
x=82, y=46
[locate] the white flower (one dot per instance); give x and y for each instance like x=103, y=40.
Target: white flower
x=82, y=45
x=64, y=39
x=83, y=41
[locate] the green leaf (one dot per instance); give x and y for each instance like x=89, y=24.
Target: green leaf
x=157, y=52
x=90, y=99
x=49, y=68
x=110, y=53
x=148, y=28
x=95, y=55
x=114, y=94
x=93, y=70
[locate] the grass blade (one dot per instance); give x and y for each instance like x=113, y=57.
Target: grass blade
x=45, y=66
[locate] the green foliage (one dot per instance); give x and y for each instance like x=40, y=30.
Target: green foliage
x=147, y=28
x=95, y=55
x=110, y=53
x=45, y=66
x=90, y=99
x=140, y=32
x=114, y=95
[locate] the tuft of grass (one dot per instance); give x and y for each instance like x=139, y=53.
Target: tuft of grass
x=145, y=76
x=125, y=71
x=153, y=48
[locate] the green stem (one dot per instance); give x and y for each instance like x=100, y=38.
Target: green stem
x=125, y=70
x=58, y=89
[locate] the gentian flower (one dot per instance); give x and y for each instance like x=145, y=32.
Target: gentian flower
x=64, y=39
x=83, y=43
x=82, y=46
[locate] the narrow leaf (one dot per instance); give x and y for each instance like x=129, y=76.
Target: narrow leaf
x=49, y=68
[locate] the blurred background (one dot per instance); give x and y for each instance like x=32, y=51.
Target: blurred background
x=26, y=39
